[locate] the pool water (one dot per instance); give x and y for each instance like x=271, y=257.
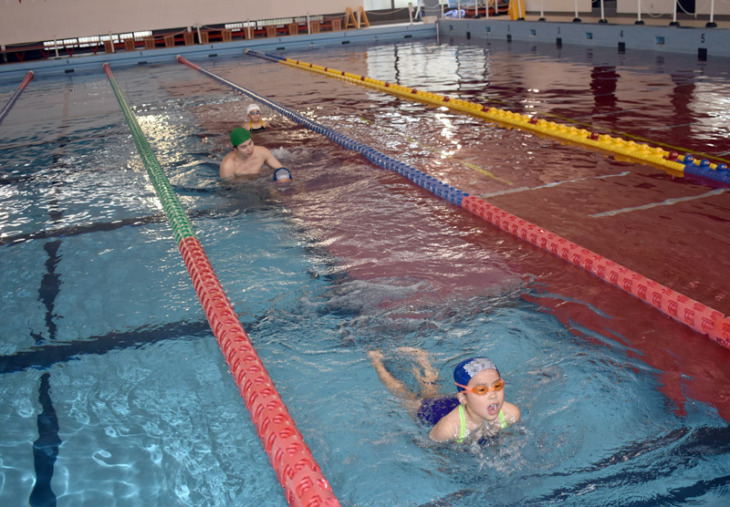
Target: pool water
x=109, y=367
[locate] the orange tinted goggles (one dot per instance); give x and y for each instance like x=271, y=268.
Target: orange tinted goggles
x=481, y=390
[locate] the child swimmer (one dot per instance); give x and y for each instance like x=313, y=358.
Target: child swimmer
x=478, y=410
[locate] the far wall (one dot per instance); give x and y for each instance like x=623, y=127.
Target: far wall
x=41, y=20
x=648, y=7
x=557, y=5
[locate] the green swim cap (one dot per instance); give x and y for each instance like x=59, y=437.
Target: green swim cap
x=239, y=135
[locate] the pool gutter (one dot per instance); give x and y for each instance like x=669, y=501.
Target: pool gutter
x=704, y=42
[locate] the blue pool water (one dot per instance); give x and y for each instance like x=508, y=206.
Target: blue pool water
x=109, y=367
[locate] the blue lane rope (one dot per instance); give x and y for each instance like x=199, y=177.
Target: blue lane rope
x=420, y=178
x=699, y=168
x=703, y=170
x=713, y=324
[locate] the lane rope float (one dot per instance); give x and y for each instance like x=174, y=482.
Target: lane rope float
x=9, y=104
x=679, y=307
x=670, y=161
x=297, y=470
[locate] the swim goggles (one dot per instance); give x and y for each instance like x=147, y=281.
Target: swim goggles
x=481, y=390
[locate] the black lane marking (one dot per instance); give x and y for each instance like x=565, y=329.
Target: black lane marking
x=44, y=356
x=45, y=449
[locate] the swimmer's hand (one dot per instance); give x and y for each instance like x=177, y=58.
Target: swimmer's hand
x=375, y=355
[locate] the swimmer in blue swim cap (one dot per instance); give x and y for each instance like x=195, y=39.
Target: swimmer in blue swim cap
x=477, y=410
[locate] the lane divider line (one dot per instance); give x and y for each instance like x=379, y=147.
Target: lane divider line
x=554, y=184
x=297, y=470
x=667, y=202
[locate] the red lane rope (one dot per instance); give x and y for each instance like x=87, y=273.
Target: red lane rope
x=296, y=468
x=9, y=104
x=28, y=78
x=679, y=307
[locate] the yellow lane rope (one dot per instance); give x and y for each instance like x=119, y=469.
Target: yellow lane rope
x=621, y=149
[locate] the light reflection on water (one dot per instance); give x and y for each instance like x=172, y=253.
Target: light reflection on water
x=349, y=258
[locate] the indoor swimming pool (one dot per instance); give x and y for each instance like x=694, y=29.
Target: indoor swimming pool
x=115, y=391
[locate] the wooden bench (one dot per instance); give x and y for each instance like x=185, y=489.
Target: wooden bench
x=332, y=24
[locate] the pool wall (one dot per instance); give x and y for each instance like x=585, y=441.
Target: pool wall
x=68, y=65
x=704, y=42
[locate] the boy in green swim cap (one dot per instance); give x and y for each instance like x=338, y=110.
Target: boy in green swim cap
x=246, y=159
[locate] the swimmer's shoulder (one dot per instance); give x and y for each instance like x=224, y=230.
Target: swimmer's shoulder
x=511, y=412
x=228, y=166
x=447, y=428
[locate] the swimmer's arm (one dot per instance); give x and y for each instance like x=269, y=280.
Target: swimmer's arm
x=271, y=160
x=447, y=429
x=226, y=170
x=394, y=385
